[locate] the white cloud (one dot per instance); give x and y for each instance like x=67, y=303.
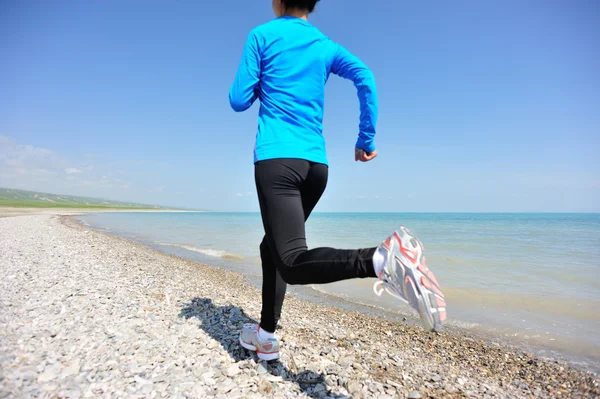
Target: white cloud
x=22, y=165
x=26, y=159
x=40, y=169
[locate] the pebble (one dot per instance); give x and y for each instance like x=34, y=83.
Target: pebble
x=265, y=387
x=414, y=395
x=319, y=388
x=262, y=368
x=450, y=388
x=46, y=377
x=233, y=370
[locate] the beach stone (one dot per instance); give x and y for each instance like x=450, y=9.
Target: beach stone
x=225, y=386
x=186, y=385
x=319, y=388
x=450, y=388
x=46, y=377
x=204, y=351
x=262, y=368
x=233, y=370
x=414, y=395
x=265, y=387
x=73, y=394
x=70, y=370
x=354, y=386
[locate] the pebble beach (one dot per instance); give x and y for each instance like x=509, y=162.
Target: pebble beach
x=86, y=314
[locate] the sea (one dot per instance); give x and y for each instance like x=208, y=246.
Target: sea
x=530, y=280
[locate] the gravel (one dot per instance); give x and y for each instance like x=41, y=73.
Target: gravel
x=84, y=314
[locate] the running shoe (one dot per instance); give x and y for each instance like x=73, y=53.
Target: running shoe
x=265, y=350
x=405, y=276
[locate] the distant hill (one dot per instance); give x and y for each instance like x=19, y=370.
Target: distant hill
x=23, y=198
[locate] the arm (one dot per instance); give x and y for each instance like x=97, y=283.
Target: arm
x=350, y=67
x=243, y=90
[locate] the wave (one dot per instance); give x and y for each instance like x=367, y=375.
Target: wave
x=215, y=253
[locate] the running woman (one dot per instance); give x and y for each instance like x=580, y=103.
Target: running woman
x=285, y=65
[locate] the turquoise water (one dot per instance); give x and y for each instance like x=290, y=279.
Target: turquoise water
x=531, y=278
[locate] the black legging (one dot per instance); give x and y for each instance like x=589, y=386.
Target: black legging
x=288, y=190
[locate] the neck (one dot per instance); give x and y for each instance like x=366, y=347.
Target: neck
x=294, y=12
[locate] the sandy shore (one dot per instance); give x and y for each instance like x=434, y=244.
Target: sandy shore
x=84, y=314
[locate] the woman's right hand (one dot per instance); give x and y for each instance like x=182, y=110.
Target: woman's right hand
x=363, y=156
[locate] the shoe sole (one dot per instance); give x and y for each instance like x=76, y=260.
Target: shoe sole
x=261, y=355
x=420, y=283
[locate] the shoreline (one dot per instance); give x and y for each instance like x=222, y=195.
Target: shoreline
x=9, y=211
x=161, y=310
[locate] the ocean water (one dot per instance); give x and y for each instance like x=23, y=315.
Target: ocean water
x=528, y=279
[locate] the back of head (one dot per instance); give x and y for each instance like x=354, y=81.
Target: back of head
x=304, y=5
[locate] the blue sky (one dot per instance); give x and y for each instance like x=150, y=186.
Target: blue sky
x=484, y=106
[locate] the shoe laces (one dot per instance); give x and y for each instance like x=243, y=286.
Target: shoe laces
x=381, y=285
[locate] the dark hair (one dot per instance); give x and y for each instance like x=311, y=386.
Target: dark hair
x=308, y=5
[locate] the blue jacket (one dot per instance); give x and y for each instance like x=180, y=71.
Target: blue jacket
x=285, y=64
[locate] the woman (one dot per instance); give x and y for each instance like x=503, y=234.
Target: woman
x=285, y=65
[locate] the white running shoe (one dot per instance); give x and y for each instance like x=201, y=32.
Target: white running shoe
x=406, y=277
x=265, y=350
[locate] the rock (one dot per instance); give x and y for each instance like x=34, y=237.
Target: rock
x=187, y=385
x=225, y=386
x=73, y=394
x=262, y=368
x=435, y=378
x=204, y=351
x=319, y=388
x=161, y=387
x=414, y=395
x=450, y=388
x=232, y=370
x=46, y=376
x=70, y=370
x=146, y=389
x=213, y=345
x=49, y=387
x=142, y=381
x=354, y=387
x=264, y=387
